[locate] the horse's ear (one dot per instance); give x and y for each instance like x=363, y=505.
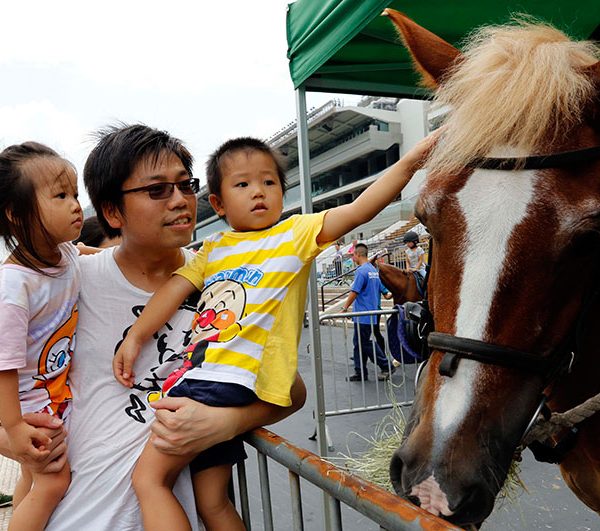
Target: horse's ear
x=432, y=55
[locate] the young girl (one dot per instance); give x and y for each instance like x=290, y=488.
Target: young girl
x=415, y=256
x=252, y=282
x=39, y=286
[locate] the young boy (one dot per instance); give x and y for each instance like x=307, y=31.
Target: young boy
x=246, y=331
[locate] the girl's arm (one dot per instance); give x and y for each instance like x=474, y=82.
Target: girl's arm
x=366, y=206
x=184, y=426
x=421, y=261
x=27, y=444
x=161, y=306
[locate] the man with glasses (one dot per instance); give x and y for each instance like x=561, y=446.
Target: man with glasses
x=141, y=184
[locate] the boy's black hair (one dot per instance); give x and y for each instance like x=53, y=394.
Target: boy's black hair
x=19, y=211
x=244, y=143
x=120, y=148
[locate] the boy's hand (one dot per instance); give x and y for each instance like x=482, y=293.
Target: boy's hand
x=418, y=154
x=28, y=445
x=124, y=359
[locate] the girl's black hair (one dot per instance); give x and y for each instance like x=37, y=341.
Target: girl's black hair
x=19, y=211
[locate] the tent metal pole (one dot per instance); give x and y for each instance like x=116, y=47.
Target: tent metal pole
x=313, y=302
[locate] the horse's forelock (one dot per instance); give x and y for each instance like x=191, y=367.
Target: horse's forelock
x=522, y=85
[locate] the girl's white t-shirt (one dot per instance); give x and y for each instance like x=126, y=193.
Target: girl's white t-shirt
x=38, y=315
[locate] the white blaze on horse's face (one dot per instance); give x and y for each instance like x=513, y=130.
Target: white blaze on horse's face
x=493, y=203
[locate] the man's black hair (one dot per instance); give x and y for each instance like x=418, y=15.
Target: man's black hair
x=119, y=149
x=362, y=246
x=245, y=143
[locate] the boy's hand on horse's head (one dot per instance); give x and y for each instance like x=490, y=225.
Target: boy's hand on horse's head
x=417, y=156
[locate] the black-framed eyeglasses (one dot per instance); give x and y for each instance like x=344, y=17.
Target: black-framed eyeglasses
x=165, y=190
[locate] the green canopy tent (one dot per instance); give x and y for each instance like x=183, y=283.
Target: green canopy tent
x=346, y=46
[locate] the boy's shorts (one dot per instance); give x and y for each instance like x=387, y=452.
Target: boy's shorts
x=216, y=394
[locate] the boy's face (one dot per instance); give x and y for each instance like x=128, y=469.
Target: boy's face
x=148, y=223
x=251, y=193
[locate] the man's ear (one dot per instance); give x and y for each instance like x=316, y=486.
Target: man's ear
x=114, y=217
x=217, y=204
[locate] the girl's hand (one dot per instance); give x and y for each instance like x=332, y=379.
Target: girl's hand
x=28, y=445
x=124, y=359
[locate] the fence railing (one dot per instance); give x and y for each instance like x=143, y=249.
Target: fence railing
x=338, y=489
x=382, y=507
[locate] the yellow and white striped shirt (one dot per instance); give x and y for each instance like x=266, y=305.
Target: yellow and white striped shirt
x=253, y=293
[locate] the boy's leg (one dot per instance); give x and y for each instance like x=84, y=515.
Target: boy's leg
x=212, y=499
x=37, y=506
x=23, y=486
x=153, y=478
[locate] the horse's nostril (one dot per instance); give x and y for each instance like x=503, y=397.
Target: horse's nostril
x=396, y=465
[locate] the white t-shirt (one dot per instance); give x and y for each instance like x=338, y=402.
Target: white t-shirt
x=38, y=314
x=412, y=255
x=110, y=424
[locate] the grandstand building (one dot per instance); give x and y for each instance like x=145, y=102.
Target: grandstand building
x=350, y=147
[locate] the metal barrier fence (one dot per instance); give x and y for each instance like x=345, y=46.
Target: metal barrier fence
x=336, y=396
x=339, y=340
x=388, y=511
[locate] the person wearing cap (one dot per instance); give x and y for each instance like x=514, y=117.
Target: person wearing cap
x=415, y=256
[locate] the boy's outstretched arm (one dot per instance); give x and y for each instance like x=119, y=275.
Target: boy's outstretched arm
x=161, y=306
x=184, y=426
x=366, y=206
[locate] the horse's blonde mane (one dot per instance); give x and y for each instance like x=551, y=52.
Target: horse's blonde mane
x=520, y=85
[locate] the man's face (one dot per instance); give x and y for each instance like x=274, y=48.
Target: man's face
x=157, y=223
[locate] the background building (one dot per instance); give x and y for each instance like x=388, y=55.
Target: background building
x=350, y=147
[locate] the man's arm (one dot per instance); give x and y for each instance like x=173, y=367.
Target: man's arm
x=349, y=301
x=53, y=428
x=184, y=426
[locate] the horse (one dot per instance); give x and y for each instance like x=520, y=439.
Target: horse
x=512, y=202
x=401, y=283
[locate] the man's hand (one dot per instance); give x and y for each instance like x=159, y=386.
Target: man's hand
x=28, y=444
x=184, y=426
x=51, y=427
x=124, y=359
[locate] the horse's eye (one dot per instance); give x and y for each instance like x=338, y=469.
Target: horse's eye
x=420, y=212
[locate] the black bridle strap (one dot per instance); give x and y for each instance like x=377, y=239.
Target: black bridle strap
x=538, y=162
x=473, y=349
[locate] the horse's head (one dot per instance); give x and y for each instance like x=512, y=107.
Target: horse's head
x=400, y=283
x=515, y=251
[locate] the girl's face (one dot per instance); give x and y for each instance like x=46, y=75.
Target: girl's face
x=56, y=195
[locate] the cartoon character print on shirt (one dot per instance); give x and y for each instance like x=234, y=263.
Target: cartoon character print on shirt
x=151, y=382
x=54, y=360
x=221, y=306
